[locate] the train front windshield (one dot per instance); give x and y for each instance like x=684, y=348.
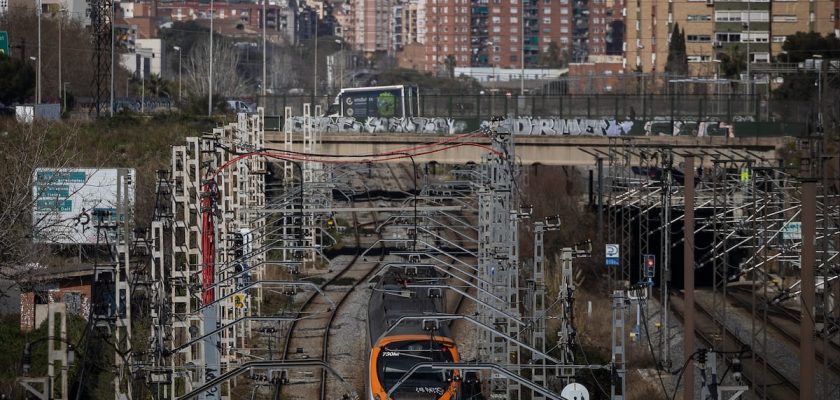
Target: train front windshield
x=396, y=359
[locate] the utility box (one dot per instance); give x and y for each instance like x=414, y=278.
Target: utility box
x=27, y=113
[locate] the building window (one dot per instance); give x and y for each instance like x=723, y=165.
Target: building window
x=698, y=38
x=755, y=37
x=761, y=57
x=737, y=16
x=727, y=16
x=547, y=20
x=779, y=39
x=698, y=18
x=514, y=20
x=726, y=37
x=700, y=58
x=564, y=10
x=784, y=18
x=547, y=10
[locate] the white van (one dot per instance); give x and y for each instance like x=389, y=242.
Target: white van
x=238, y=106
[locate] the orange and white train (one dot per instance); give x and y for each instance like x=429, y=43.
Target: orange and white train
x=395, y=350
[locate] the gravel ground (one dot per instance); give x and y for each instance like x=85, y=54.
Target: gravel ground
x=466, y=334
x=779, y=353
x=349, y=344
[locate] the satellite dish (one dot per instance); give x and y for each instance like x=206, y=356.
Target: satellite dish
x=575, y=391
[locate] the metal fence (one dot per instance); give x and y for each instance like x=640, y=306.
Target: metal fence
x=712, y=107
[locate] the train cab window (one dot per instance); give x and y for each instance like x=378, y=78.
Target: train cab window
x=396, y=359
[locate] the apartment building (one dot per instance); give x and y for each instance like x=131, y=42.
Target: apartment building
x=372, y=25
x=78, y=10
x=756, y=27
x=408, y=24
x=605, y=28
x=495, y=33
x=448, y=34
x=837, y=18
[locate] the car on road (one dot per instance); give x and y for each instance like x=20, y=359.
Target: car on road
x=238, y=106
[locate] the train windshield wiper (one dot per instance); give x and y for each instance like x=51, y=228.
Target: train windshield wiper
x=405, y=354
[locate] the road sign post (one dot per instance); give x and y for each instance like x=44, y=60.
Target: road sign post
x=612, y=254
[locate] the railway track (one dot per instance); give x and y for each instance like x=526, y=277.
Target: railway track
x=458, y=300
x=785, y=323
x=778, y=385
x=311, y=338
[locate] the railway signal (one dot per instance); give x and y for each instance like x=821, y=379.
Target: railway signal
x=650, y=267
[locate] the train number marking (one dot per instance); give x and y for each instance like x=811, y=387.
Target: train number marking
x=431, y=390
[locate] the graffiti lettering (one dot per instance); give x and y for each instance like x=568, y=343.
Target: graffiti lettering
x=381, y=125
x=688, y=128
x=561, y=126
x=522, y=126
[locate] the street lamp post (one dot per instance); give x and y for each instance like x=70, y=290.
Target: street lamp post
x=341, y=66
x=60, y=26
x=142, y=93
x=112, y=85
x=210, y=75
x=38, y=76
x=819, y=92
x=64, y=96
x=264, y=48
x=716, y=84
x=178, y=49
x=522, y=53
x=37, y=61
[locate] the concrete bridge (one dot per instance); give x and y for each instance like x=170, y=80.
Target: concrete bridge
x=548, y=150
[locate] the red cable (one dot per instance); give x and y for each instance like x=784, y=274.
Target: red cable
x=208, y=245
x=280, y=154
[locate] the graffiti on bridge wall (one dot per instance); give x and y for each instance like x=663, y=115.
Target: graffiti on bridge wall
x=439, y=125
x=381, y=125
x=688, y=128
x=562, y=126
x=524, y=126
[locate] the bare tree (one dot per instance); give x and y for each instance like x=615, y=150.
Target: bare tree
x=25, y=148
x=227, y=81
x=282, y=73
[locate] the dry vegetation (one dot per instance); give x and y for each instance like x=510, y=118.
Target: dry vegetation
x=562, y=191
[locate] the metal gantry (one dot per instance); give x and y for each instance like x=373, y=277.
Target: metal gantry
x=750, y=214
x=207, y=313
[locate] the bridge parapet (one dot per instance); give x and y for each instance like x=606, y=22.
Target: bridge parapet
x=549, y=150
